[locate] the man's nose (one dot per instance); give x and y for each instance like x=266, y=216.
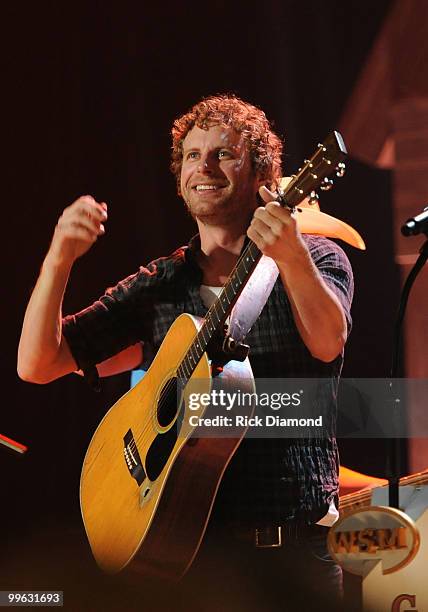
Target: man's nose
x=206, y=164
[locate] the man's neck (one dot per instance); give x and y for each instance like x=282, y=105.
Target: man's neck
x=220, y=249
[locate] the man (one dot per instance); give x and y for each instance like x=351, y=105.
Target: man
x=226, y=160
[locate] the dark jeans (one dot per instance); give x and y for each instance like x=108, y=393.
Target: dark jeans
x=230, y=574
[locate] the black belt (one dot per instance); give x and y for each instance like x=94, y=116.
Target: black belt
x=274, y=536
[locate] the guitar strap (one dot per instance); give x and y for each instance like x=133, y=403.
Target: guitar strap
x=252, y=300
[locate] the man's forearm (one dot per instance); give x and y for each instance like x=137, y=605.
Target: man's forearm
x=43, y=354
x=317, y=311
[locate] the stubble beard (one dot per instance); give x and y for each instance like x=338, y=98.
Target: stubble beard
x=217, y=213
x=222, y=213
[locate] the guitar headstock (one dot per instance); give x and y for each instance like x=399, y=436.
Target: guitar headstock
x=316, y=171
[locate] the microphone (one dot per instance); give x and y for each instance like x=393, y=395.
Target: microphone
x=416, y=225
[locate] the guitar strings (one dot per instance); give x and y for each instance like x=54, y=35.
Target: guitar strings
x=169, y=386
x=166, y=390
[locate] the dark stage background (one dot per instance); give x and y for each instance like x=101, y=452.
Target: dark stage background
x=89, y=95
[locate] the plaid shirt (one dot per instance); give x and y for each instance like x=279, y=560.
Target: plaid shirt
x=267, y=481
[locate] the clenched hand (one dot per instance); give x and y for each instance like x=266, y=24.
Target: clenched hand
x=78, y=228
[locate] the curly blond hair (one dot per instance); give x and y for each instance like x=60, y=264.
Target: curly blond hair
x=228, y=110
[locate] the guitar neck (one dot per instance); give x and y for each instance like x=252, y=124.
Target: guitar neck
x=220, y=309
x=362, y=499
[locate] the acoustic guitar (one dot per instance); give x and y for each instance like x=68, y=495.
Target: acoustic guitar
x=147, y=488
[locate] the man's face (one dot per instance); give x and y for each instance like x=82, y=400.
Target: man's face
x=217, y=181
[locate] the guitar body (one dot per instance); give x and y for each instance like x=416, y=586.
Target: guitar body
x=146, y=494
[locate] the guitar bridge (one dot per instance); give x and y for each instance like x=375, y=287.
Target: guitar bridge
x=132, y=458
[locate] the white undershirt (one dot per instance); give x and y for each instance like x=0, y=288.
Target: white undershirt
x=208, y=295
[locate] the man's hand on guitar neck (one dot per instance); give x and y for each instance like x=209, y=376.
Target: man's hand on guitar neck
x=274, y=230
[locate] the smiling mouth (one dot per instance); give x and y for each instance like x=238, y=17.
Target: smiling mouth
x=206, y=188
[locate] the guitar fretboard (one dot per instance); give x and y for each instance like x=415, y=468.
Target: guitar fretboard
x=220, y=309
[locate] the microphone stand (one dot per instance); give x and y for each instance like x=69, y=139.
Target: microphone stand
x=394, y=454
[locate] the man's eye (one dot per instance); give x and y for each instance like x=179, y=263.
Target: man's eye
x=192, y=155
x=223, y=153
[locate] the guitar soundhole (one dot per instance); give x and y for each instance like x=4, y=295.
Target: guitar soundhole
x=167, y=406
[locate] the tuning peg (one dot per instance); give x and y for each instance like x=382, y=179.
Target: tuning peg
x=326, y=185
x=340, y=169
x=313, y=198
